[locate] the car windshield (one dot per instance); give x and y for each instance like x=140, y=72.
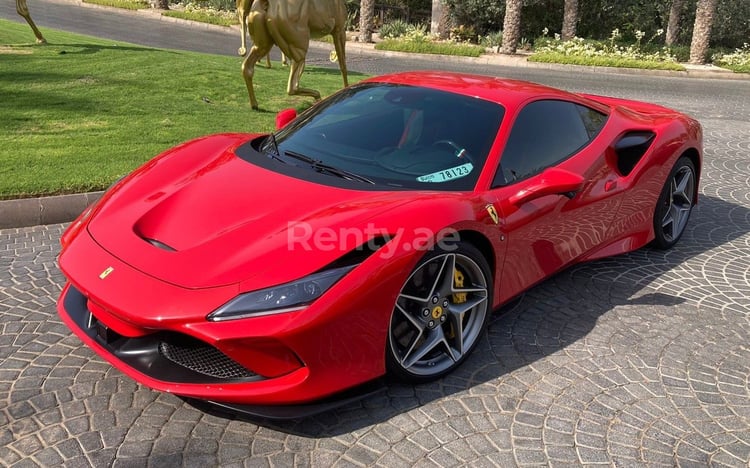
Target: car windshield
x=390, y=135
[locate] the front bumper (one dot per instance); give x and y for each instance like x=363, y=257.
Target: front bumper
x=286, y=359
x=154, y=360
x=169, y=356
x=166, y=356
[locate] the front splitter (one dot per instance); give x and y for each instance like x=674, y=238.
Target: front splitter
x=287, y=412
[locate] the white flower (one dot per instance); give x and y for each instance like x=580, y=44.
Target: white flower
x=557, y=37
x=545, y=31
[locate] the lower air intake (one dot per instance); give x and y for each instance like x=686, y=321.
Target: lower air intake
x=203, y=359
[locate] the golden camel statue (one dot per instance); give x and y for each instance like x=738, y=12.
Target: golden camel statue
x=23, y=10
x=243, y=9
x=289, y=24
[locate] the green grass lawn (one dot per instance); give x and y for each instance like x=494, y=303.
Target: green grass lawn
x=204, y=17
x=126, y=4
x=429, y=47
x=80, y=112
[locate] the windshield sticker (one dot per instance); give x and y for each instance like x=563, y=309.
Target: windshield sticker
x=448, y=174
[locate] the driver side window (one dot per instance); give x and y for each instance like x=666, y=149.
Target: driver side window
x=545, y=133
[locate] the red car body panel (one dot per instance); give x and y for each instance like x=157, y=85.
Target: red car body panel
x=227, y=225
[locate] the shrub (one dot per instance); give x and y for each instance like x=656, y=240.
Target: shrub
x=394, y=29
x=493, y=39
x=578, y=47
x=205, y=14
x=417, y=34
x=125, y=4
x=738, y=61
x=221, y=5
x=352, y=20
x=422, y=46
x=463, y=33
x=203, y=17
x=604, y=61
x=484, y=15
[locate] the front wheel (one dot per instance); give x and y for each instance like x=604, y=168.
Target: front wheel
x=440, y=314
x=675, y=204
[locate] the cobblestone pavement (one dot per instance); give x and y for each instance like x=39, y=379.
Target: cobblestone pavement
x=642, y=359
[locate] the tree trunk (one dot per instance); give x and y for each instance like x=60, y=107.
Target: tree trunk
x=366, y=14
x=704, y=19
x=440, y=21
x=570, y=20
x=161, y=4
x=511, y=27
x=673, y=26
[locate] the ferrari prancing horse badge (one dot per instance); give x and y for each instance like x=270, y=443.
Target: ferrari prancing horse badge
x=493, y=213
x=106, y=272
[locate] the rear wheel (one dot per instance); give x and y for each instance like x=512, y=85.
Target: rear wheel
x=440, y=314
x=675, y=204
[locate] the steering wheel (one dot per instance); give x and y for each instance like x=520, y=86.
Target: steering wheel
x=461, y=153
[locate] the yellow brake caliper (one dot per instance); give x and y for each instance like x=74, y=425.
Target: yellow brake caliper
x=458, y=282
x=458, y=298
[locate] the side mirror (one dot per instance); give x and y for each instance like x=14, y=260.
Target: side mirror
x=284, y=117
x=552, y=181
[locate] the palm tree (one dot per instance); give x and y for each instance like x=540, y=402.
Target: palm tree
x=704, y=20
x=511, y=26
x=366, y=13
x=440, y=21
x=673, y=25
x=570, y=20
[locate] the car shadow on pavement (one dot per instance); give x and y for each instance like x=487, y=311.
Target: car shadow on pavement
x=548, y=324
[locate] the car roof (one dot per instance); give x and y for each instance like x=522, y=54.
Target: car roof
x=507, y=92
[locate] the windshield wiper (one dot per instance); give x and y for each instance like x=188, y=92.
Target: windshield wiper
x=323, y=167
x=274, y=150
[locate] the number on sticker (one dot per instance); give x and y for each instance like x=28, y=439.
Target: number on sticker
x=447, y=174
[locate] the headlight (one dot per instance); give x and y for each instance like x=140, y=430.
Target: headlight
x=279, y=299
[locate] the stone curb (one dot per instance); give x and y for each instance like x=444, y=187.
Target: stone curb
x=24, y=212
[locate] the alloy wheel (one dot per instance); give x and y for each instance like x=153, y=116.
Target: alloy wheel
x=439, y=315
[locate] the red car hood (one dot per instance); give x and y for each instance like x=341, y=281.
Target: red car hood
x=201, y=221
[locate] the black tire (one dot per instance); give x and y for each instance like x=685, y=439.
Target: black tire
x=675, y=204
x=432, y=307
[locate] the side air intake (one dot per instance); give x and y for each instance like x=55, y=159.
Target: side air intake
x=630, y=148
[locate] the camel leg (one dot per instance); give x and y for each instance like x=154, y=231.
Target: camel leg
x=293, y=88
x=283, y=60
x=293, y=47
x=248, y=69
x=243, y=9
x=339, y=43
x=23, y=10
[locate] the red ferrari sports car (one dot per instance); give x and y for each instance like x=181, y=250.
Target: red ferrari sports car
x=372, y=234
